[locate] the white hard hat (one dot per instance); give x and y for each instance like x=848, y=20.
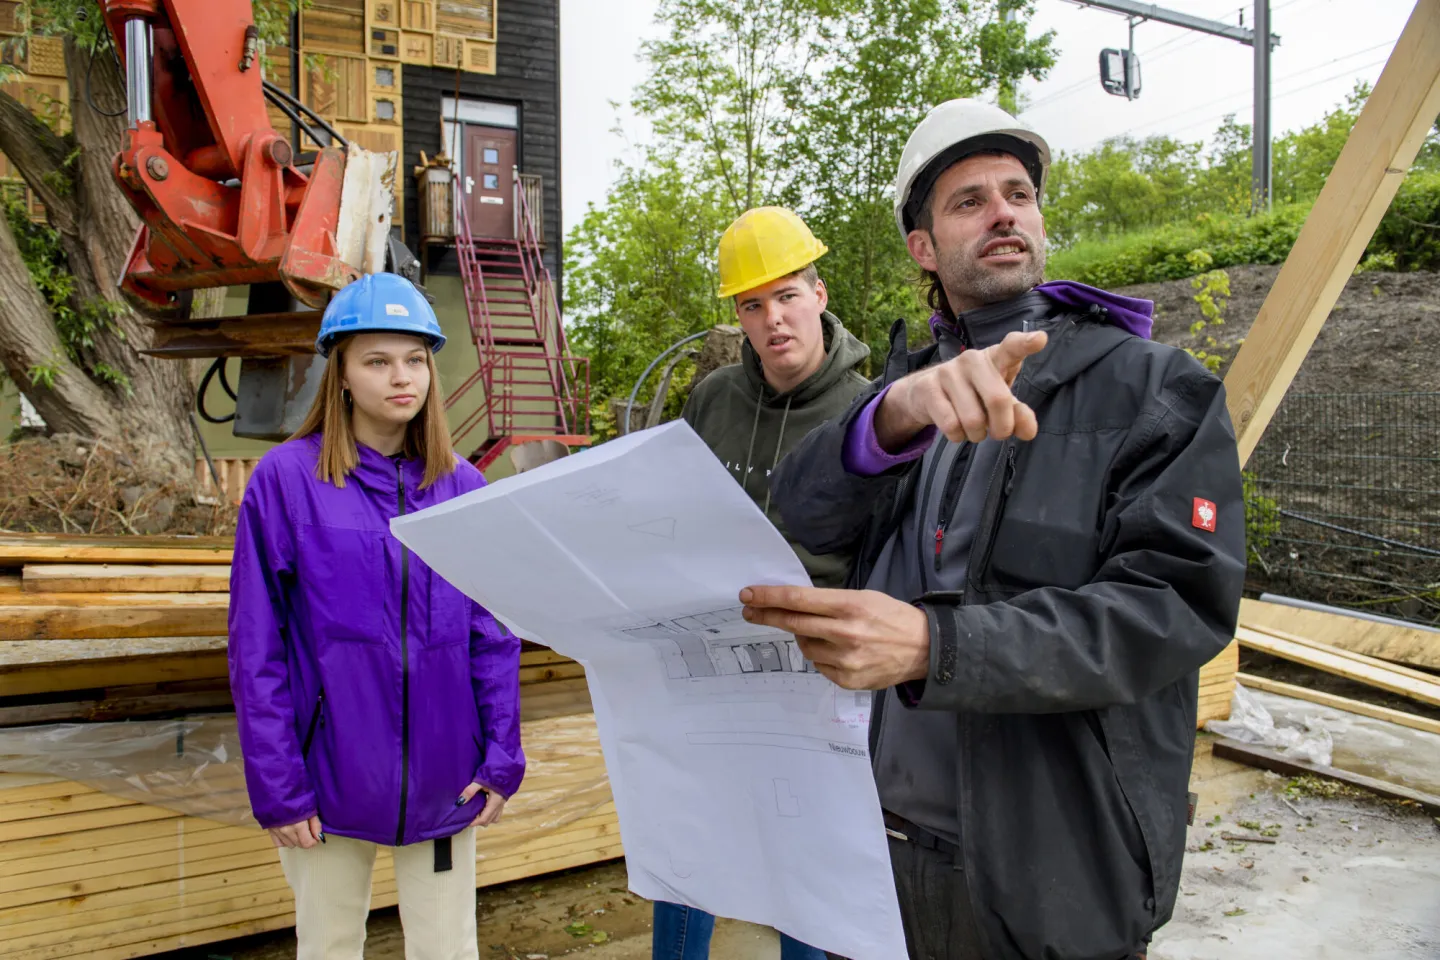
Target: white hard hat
x=952, y=131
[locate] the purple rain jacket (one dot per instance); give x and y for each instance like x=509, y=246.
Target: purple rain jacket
x=368, y=690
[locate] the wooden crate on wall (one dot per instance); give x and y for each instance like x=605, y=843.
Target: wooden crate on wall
x=472, y=19
x=336, y=89
x=11, y=22
x=417, y=48
x=385, y=110
x=333, y=26
x=385, y=79
x=46, y=57
x=449, y=51
x=385, y=13
x=418, y=15
x=377, y=140
x=384, y=43
x=479, y=56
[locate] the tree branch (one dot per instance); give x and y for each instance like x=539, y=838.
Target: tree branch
x=39, y=154
x=28, y=339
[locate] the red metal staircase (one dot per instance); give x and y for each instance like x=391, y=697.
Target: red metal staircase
x=533, y=388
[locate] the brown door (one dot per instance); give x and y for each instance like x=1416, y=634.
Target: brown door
x=490, y=180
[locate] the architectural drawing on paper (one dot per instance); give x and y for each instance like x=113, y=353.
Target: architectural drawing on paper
x=719, y=643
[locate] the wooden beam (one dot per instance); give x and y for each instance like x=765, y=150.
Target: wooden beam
x=1254, y=756
x=1352, y=656
x=1413, y=721
x=125, y=578
x=1387, y=136
x=1376, y=673
x=1418, y=648
x=19, y=549
x=81, y=616
x=269, y=335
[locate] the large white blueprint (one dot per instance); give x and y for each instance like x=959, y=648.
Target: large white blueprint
x=741, y=776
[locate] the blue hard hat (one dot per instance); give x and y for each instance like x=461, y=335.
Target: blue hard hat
x=378, y=303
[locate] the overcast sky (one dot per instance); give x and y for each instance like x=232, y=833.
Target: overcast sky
x=1190, y=80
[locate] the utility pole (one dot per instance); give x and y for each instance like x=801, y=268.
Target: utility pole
x=1260, y=136
x=1260, y=140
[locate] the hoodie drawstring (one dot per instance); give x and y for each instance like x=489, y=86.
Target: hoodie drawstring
x=750, y=452
x=778, y=444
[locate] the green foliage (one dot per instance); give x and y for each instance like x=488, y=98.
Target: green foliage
x=1163, y=253
x=1127, y=185
x=801, y=102
x=1212, y=292
x=884, y=64
x=78, y=324
x=1262, y=517
x=640, y=273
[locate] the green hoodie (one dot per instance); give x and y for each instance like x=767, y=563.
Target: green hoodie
x=750, y=427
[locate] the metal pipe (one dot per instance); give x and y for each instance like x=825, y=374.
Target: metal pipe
x=137, y=70
x=1346, y=611
x=630, y=404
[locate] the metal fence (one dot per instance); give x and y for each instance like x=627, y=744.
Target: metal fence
x=1343, y=502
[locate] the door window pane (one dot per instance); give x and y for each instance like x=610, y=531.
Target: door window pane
x=492, y=155
x=492, y=181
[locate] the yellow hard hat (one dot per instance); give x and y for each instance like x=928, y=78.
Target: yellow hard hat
x=764, y=244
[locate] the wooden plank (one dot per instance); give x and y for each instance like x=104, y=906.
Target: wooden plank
x=126, y=703
x=45, y=826
x=277, y=336
x=126, y=578
x=20, y=549
x=10, y=583
x=26, y=680
x=80, y=616
x=1404, y=719
x=1266, y=759
x=1376, y=673
x=1381, y=147
x=1412, y=646
x=1395, y=668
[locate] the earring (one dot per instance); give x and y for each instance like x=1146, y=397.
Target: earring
x=345, y=396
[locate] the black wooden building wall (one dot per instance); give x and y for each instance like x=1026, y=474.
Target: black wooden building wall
x=527, y=65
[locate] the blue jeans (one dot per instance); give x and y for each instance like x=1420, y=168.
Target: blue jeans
x=683, y=933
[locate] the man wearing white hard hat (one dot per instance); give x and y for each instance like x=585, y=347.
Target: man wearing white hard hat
x=1049, y=530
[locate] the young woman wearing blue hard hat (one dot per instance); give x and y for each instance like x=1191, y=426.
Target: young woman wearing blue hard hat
x=377, y=705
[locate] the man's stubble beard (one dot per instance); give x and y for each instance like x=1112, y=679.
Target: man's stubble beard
x=967, y=280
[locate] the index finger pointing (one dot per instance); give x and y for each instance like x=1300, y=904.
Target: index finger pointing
x=1009, y=354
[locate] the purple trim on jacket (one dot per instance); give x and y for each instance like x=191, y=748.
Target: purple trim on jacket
x=322, y=674
x=862, y=454
x=864, y=457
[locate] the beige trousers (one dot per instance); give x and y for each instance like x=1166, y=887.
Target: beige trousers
x=332, y=898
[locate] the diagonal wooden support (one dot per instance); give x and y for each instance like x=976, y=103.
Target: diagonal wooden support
x=1386, y=138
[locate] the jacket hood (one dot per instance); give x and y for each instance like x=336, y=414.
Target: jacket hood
x=1130, y=314
x=843, y=353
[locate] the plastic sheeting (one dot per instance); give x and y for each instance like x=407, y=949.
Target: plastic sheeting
x=1304, y=739
x=193, y=765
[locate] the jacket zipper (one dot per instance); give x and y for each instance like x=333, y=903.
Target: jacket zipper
x=954, y=483
x=404, y=667
x=317, y=719
x=924, y=499
x=1008, y=484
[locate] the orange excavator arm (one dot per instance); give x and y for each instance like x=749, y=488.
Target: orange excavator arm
x=217, y=187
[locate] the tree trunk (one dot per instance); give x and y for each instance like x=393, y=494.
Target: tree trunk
x=97, y=228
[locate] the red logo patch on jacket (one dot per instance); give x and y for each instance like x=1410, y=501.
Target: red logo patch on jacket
x=1204, y=515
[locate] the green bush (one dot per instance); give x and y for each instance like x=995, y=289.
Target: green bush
x=1410, y=230
x=1408, y=237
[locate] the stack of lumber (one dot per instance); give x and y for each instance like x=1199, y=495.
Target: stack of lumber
x=96, y=628
x=116, y=628
x=1330, y=642
x=1217, y=686
x=85, y=874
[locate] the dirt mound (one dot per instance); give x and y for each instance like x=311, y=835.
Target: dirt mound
x=69, y=484
x=1343, y=493
x=1380, y=337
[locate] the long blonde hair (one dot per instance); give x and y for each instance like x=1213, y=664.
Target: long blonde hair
x=427, y=437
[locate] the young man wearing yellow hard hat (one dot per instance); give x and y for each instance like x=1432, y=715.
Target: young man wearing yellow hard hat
x=797, y=370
